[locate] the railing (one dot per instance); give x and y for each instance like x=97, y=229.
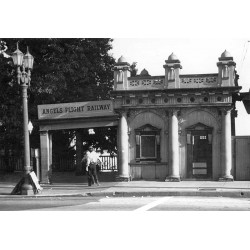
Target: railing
x=11, y=164
x=64, y=164
x=60, y=164
x=109, y=163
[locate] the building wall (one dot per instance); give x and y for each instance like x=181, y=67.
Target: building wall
x=187, y=117
x=241, y=157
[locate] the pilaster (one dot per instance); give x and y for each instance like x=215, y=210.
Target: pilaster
x=79, y=155
x=46, y=167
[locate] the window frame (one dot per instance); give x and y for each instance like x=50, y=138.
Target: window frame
x=147, y=130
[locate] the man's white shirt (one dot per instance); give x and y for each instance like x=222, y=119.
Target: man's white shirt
x=92, y=157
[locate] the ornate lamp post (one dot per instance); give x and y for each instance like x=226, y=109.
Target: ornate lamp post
x=24, y=64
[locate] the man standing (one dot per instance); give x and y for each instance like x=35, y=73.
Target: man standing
x=92, y=160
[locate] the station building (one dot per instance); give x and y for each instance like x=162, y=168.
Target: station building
x=171, y=127
x=175, y=127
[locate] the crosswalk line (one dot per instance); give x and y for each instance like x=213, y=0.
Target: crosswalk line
x=153, y=204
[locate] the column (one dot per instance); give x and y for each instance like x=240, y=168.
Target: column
x=123, y=149
x=45, y=156
x=174, y=148
x=79, y=153
x=27, y=166
x=226, y=146
x=50, y=152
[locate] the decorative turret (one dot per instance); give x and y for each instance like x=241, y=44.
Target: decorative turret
x=144, y=73
x=121, y=70
x=226, y=68
x=172, y=68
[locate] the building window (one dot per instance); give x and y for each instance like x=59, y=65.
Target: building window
x=148, y=146
x=147, y=143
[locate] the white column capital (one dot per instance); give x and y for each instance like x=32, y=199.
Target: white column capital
x=174, y=111
x=44, y=133
x=226, y=110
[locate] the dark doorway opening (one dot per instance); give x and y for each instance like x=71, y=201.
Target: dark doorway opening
x=199, y=152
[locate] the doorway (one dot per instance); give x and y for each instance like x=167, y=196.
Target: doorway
x=199, y=152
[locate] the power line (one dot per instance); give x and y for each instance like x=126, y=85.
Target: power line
x=244, y=55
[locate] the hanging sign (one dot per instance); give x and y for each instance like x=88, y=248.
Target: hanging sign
x=75, y=110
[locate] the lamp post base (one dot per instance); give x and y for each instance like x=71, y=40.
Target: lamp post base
x=28, y=185
x=26, y=188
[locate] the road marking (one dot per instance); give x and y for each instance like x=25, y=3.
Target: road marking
x=153, y=204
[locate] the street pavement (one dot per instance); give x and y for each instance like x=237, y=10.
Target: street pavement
x=68, y=184
x=136, y=204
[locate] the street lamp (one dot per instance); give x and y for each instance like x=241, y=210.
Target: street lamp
x=24, y=64
x=30, y=127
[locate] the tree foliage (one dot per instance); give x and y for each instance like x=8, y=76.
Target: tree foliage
x=102, y=138
x=65, y=70
x=133, y=70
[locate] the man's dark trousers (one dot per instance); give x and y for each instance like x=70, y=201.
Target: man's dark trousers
x=92, y=174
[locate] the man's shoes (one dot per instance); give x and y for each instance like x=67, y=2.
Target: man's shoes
x=98, y=184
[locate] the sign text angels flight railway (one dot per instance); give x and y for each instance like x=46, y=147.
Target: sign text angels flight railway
x=76, y=109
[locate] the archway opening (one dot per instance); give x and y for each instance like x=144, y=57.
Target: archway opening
x=69, y=147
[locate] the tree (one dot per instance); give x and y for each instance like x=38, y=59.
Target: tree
x=102, y=138
x=133, y=70
x=65, y=70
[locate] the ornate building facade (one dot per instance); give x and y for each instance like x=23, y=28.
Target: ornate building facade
x=175, y=127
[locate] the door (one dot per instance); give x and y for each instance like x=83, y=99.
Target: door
x=199, y=155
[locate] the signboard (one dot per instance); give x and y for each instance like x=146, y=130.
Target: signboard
x=75, y=110
x=35, y=181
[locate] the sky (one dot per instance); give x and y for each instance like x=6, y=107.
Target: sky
x=197, y=56
x=147, y=32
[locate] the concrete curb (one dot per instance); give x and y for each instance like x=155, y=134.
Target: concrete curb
x=229, y=194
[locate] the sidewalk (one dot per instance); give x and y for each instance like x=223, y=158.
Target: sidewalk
x=67, y=184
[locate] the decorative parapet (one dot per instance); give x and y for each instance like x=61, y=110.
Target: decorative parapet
x=146, y=83
x=186, y=81
x=199, y=81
